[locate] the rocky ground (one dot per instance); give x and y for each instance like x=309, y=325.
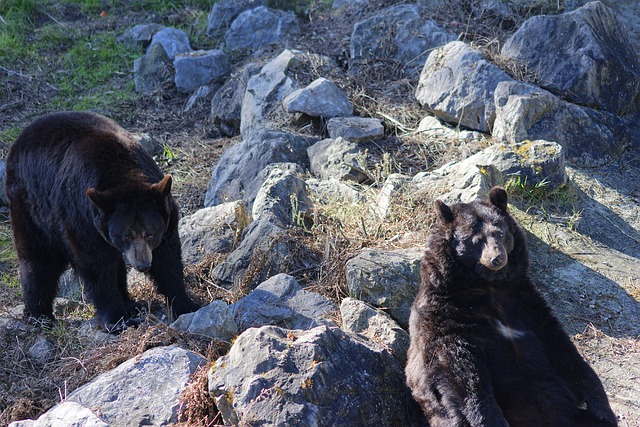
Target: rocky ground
x=585, y=238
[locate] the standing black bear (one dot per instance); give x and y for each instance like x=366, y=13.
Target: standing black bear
x=83, y=192
x=485, y=348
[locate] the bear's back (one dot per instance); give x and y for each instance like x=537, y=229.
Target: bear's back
x=59, y=156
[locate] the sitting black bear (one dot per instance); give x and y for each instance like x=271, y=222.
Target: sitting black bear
x=486, y=349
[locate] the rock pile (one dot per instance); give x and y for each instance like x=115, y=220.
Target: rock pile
x=298, y=359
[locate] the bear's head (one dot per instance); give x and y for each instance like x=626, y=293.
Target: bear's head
x=479, y=233
x=134, y=221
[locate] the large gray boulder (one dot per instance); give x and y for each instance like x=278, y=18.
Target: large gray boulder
x=212, y=230
x=283, y=198
x=173, y=40
x=64, y=414
x=396, y=33
x=242, y=163
x=321, y=377
x=255, y=28
x=376, y=325
x=195, y=69
x=280, y=301
x=153, y=70
x=336, y=158
x=583, y=56
x=140, y=35
x=262, y=253
x=528, y=164
x=355, y=129
x=262, y=102
x=148, y=386
x=321, y=98
x=226, y=104
x=386, y=279
x=224, y=12
x=214, y=320
x=589, y=137
x=457, y=84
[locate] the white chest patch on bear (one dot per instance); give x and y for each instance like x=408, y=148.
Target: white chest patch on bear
x=507, y=332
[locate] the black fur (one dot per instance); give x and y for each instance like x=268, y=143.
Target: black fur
x=486, y=349
x=79, y=186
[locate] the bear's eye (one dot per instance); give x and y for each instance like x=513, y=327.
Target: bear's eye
x=128, y=238
x=148, y=236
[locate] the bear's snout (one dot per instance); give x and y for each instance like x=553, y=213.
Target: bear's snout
x=139, y=255
x=494, y=257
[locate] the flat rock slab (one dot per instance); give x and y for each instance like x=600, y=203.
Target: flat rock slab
x=355, y=129
x=144, y=390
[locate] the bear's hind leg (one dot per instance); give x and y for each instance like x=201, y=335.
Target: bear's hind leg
x=39, y=280
x=40, y=265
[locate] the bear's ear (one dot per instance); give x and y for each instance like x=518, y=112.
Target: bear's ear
x=103, y=200
x=499, y=198
x=443, y=211
x=164, y=186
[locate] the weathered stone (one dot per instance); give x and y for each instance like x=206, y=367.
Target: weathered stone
x=283, y=198
x=215, y=229
x=242, y=163
x=386, y=279
x=589, y=137
x=432, y=127
x=259, y=27
x=225, y=11
x=265, y=89
x=391, y=188
x=64, y=414
x=336, y=158
x=583, y=56
x=148, y=385
x=252, y=188
x=70, y=286
x=322, y=98
x=397, y=33
x=358, y=317
x=263, y=247
x=261, y=105
x=355, y=129
x=149, y=143
x=199, y=96
x=153, y=71
x=457, y=85
x=214, y=321
x=173, y=41
x=140, y=35
x=531, y=163
x=41, y=351
x=321, y=377
x=333, y=189
x=280, y=301
x=195, y=69
x=226, y=104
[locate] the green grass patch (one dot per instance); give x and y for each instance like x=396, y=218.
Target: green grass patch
x=8, y=136
x=94, y=73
